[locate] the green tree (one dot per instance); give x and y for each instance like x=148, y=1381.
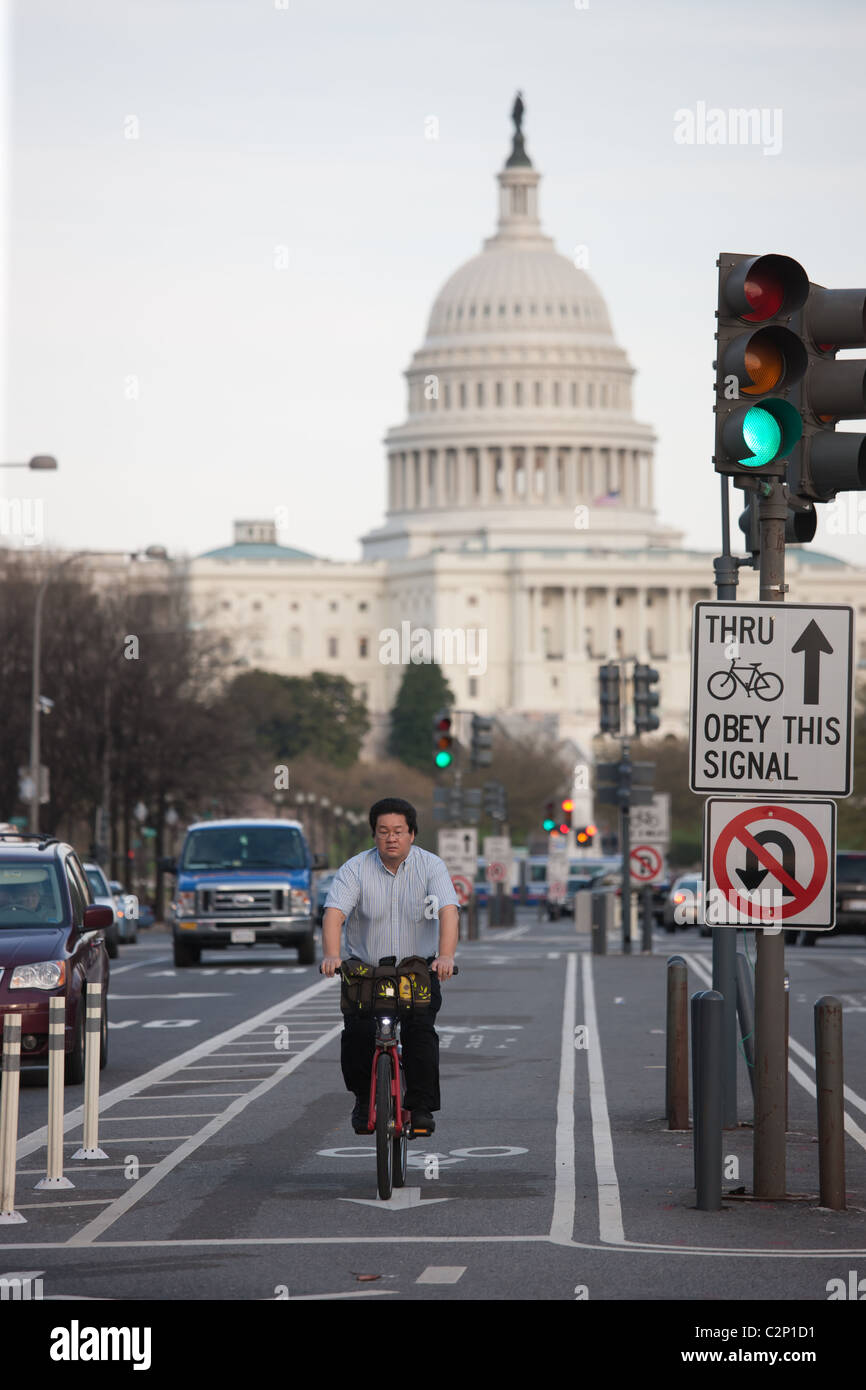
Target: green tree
x=423, y=691
x=293, y=715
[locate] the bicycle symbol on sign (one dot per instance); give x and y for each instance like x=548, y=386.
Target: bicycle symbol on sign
x=765, y=684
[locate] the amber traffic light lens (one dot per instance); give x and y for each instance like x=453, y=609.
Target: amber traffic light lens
x=765, y=366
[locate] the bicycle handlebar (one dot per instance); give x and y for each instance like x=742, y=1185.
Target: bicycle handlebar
x=456, y=970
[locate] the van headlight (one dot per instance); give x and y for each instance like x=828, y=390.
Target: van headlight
x=185, y=904
x=45, y=974
x=299, y=901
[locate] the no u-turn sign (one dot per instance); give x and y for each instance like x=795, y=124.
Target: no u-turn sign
x=770, y=863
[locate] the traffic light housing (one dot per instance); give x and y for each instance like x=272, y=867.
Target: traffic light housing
x=585, y=833
x=481, y=746
x=443, y=739
x=800, y=524
x=609, y=697
x=495, y=801
x=550, y=822
x=759, y=360
x=645, y=699
x=828, y=462
x=566, y=809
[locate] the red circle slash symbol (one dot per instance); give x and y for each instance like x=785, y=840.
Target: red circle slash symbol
x=801, y=894
x=646, y=862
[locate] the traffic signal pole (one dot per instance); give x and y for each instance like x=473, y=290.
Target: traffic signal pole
x=770, y=1040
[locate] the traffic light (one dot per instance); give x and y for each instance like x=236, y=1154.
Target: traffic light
x=800, y=524
x=565, y=818
x=584, y=835
x=608, y=682
x=480, y=754
x=828, y=462
x=494, y=801
x=759, y=360
x=645, y=699
x=443, y=739
x=549, y=823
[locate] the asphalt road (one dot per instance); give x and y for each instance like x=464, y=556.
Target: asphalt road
x=233, y=1172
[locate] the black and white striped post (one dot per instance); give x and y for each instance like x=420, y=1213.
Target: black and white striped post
x=9, y=1119
x=56, y=1059
x=92, y=1024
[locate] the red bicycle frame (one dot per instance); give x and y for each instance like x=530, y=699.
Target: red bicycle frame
x=390, y=1048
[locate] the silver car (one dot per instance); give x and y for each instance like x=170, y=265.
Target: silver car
x=103, y=897
x=126, y=905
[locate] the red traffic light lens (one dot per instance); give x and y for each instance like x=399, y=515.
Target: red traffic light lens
x=592, y=830
x=765, y=292
x=443, y=725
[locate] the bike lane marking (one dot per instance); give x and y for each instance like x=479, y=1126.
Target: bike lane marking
x=562, y=1220
x=610, y=1228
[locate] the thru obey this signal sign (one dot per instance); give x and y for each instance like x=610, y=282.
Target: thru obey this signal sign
x=770, y=863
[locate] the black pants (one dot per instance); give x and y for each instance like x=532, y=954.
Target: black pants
x=420, y=1054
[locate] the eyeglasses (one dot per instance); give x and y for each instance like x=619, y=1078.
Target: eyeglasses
x=392, y=834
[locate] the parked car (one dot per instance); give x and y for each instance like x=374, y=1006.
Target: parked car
x=243, y=882
x=126, y=905
x=146, y=915
x=684, y=904
x=103, y=895
x=52, y=942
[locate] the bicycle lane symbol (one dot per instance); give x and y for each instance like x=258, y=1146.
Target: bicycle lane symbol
x=766, y=685
x=802, y=895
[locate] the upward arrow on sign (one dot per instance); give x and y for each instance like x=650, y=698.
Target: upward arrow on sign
x=811, y=643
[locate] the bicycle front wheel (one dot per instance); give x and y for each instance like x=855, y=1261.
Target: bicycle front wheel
x=722, y=684
x=384, y=1127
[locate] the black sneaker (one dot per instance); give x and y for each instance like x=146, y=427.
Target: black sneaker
x=359, y=1117
x=422, y=1122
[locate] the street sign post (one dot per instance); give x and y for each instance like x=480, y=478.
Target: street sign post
x=771, y=707
x=770, y=864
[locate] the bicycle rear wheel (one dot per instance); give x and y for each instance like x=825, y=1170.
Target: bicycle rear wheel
x=384, y=1127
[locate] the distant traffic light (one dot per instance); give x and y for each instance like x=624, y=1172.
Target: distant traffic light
x=645, y=699
x=480, y=751
x=758, y=359
x=549, y=823
x=609, y=698
x=495, y=803
x=828, y=462
x=443, y=739
x=585, y=834
x=565, y=821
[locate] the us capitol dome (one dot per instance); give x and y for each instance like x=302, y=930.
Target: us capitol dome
x=520, y=429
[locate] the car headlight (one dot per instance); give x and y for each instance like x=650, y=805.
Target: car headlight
x=185, y=904
x=45, y=974
x=300, y=901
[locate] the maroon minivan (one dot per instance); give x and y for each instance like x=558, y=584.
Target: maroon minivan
x=52, y=941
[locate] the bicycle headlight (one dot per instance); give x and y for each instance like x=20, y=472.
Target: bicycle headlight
x=44, y=974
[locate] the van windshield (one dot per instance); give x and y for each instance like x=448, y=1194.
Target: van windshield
x=244, y=847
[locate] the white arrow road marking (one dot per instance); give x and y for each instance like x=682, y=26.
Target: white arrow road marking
x=401, y=1199
x=441, y=1274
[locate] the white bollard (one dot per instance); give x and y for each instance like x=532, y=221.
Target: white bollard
x=56, y=1058
x=9, y=1119
x=90, y=1147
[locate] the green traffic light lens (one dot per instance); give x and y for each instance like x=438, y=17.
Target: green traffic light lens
x=443, y=759
x=763, y=436
x=549, y=824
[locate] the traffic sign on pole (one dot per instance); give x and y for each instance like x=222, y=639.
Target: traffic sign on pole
x=459, y=850
x=771, y=708
x=646, y=864
x=652, y=824
x=770, y=863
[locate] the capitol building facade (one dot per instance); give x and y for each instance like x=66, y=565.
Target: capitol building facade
x=520, y=547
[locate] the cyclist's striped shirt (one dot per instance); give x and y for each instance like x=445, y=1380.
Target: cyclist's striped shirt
x=392, y=914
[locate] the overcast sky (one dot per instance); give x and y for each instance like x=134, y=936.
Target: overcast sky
x=224, y=229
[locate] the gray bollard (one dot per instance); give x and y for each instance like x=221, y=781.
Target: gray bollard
x=829, y=1086
x=709, y=1010
x=677, y=1058
x=646, y=903
x=599, y=924
x=54, y=1177
x=696, y=1080
x=9, y=1119
x=746, y=1011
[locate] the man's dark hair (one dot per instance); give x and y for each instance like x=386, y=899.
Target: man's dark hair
x=394, y=806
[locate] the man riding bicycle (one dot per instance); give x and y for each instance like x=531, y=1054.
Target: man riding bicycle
x=396, y=900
